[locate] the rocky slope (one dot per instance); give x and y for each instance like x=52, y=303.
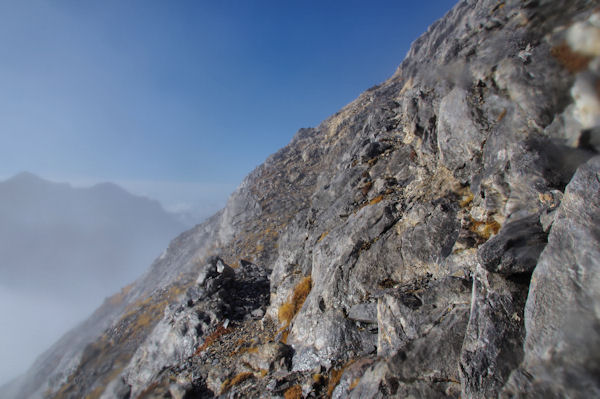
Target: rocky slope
x=437, y=237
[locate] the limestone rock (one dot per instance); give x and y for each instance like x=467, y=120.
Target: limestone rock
x=224, y=294
x=407, y=314
x=562, y=347
x=364, y=313
x=493, y=342
x=516, y=247
x=269, y=357
x=424, y=367
x=459, y=137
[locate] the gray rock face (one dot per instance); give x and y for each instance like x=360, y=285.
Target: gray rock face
x=424, y=367
x=363, y=313
x=459, y=138
x=492, y=347
x=221, y=295
x=562, y=348
x=516, y=248
x=412, y=312
x=417, y=243
x=271, y=356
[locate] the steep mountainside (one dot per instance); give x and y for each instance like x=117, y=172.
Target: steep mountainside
x=437, y=237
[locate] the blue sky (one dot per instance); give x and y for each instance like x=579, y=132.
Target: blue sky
x=192, y=93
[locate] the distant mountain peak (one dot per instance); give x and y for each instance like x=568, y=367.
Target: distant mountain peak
x=109, y=187
x=26, y=176
x=64, y=249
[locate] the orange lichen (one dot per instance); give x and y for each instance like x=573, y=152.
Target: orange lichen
x=289, y=309
x=335, y=375
x=354, y=383
x=286, y=312
x=214, y=336
x=498, y=6
x=294, y=392
x=545, y=198
x=240, y=351
x=486, y=228
x=334, y=379
x=322, y=236
x=466, y=199
x=284, y=335
x=569, y=59
x=231, y=382
x=318, y=378
x=376, y=200
x=367, y=187
x=502, y=115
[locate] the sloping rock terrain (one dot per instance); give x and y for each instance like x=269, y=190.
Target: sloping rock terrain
x=437, y=237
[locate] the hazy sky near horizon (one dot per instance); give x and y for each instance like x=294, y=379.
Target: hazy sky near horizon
x=191, y=93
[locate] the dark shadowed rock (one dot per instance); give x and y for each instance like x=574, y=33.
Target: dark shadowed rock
x=492, y=347
x=516, y=247
x=424, y=366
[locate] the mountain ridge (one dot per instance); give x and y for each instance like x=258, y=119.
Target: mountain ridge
x=65, y=249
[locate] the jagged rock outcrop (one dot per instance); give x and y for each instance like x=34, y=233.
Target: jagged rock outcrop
x=562, y=347
x=435, y=238
x=220, y=296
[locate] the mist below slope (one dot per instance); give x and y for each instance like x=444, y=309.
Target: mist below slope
x=63, y=250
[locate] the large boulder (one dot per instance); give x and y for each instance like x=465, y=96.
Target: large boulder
x=562, y=314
